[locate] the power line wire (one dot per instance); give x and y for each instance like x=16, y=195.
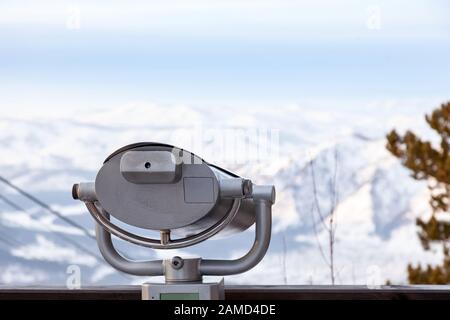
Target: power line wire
x=56, y=213
x=47, y=207
x=11, y=203
x=67, y=239
x=10, y=238
x=14, y=242
x=7, y=241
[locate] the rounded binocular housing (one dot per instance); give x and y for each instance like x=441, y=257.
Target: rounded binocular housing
x=160, y=187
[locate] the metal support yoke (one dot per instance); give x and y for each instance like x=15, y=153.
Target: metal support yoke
x=193, y=269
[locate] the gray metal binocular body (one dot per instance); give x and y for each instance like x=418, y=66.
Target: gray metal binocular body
x=159, y=187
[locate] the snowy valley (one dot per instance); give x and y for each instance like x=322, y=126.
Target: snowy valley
x=378, y=201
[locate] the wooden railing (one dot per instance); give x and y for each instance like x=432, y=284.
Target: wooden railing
x=241, y=293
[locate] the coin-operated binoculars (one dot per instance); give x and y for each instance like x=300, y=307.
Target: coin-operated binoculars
x=155, y=186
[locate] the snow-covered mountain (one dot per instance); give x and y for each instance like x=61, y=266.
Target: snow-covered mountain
x=377, y=200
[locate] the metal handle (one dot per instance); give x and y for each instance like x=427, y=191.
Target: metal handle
x=263, y=197
x=110, y=254
x=263, y=229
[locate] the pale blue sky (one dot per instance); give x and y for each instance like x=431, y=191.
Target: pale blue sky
x=55, y=53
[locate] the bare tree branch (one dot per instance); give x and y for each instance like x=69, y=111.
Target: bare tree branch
x=316, y=199
x=319, y=244
x=329, y=223
x=285, y=279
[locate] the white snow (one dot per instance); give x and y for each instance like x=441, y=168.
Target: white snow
x=378, y=201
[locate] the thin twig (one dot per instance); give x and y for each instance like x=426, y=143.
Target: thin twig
x=285, y=279
x=316, y=200
x=319, y=244
x=332, y=224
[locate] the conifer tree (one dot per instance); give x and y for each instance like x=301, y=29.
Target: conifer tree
x=430, y=162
